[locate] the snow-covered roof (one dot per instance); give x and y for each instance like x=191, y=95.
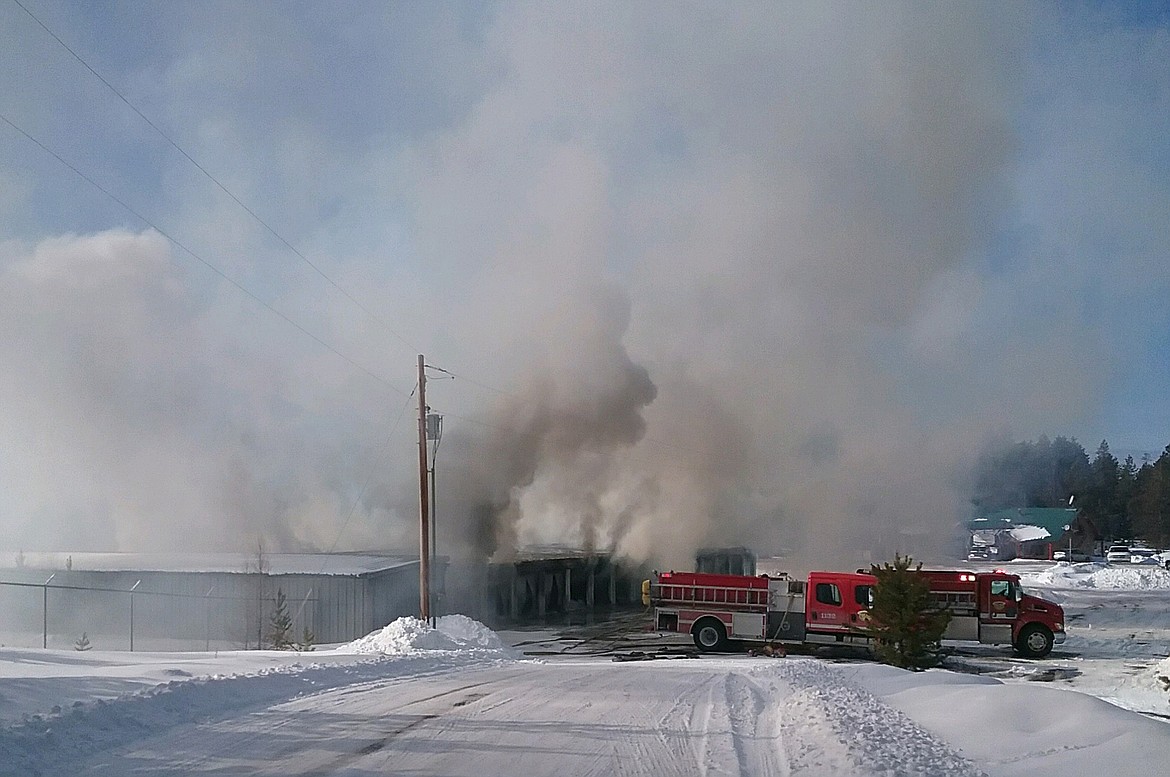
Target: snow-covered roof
x=1055, y=520
x=1028, y=533
x=274, y=563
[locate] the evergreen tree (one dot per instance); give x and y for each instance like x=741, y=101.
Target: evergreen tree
x=280, y=625
x=1150, y=505
x=1124, y=500
x=1001, y=476
x=1100, y=501
x=1126, y=490
x=306, y=642
x=906, y=626
x=1031, y=474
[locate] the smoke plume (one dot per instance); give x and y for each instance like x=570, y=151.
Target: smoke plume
x=750, y=274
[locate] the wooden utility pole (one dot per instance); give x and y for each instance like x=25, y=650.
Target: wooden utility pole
x=424, y=539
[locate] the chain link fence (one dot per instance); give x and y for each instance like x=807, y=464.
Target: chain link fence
x=234, y=614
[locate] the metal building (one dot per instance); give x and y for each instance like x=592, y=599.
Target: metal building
x=550, y=583
x=194, y=601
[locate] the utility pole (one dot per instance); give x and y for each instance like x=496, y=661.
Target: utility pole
x=424, y=539
x=434, y=544
x=434, y=436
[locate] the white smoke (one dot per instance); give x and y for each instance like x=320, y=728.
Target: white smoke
x=751, y=274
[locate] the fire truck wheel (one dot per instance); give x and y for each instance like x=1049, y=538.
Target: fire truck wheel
x=1034, y=641
x=710, y=635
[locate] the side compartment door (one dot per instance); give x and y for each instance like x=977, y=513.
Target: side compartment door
x=747, y=625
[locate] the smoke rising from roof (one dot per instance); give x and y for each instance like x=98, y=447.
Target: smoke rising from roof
x=746, y=274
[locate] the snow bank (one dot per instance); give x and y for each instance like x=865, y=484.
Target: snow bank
x=409, y=635
x=1162, y=676
x=1099, y=576
x=77, y=717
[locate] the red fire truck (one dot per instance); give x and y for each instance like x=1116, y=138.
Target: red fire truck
x=831, y=608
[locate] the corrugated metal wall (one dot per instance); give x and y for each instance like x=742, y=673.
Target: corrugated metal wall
x=220, y=609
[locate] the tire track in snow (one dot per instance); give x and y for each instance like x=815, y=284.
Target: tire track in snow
x=733, y=728
x=45, y=744
x=700, y=721
x=715, y=717
x=757, y=742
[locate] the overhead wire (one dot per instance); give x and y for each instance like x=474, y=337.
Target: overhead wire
x=283, y=241
x=268, y=227
x=183, y=247
x=272, y=231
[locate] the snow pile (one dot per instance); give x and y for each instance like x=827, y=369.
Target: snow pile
x=1135, y=578
x=409, y=635
x=832, y=724
x=1162, y=674
x=469, y=632
x=1117, y=578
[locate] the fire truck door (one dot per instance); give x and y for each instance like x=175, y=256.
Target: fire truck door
x=997, y=609
x=1000, y=600
x=825, y=607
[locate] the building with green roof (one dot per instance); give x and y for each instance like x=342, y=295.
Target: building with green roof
x=1030, y=532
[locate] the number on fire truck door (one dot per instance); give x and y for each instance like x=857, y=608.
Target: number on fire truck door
x=825, y=608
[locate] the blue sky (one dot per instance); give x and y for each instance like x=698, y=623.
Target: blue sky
x=888, y=233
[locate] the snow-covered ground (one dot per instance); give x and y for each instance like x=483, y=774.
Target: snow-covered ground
x=1118, y=631
x=458, y=701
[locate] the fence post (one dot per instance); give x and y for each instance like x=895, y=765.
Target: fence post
x=45, y=613
x=207, y=607
x=132, y=614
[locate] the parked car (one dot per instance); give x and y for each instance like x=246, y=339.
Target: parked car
x=1077, y=556
x=1117, y=554
x=983, y=553
x=1142, y=556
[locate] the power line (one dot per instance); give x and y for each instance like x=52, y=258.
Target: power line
x=196, y=256
x=251, y=212
x=213, y=179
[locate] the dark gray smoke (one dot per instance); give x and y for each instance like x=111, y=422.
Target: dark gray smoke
x=548, y=450
x=750, y=273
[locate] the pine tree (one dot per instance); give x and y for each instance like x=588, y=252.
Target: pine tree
x=1126, y=491
x=1150, y=505
x=1100, y=500
x=306, y=642
x=280, y=625
x=906, y=626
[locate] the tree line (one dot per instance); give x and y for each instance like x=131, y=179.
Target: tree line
x=1124, y=500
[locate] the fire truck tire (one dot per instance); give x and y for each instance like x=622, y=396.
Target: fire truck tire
x=710, y=635
x=1034, y=641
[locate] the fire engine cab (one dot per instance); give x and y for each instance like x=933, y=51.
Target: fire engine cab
x=832, y=608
